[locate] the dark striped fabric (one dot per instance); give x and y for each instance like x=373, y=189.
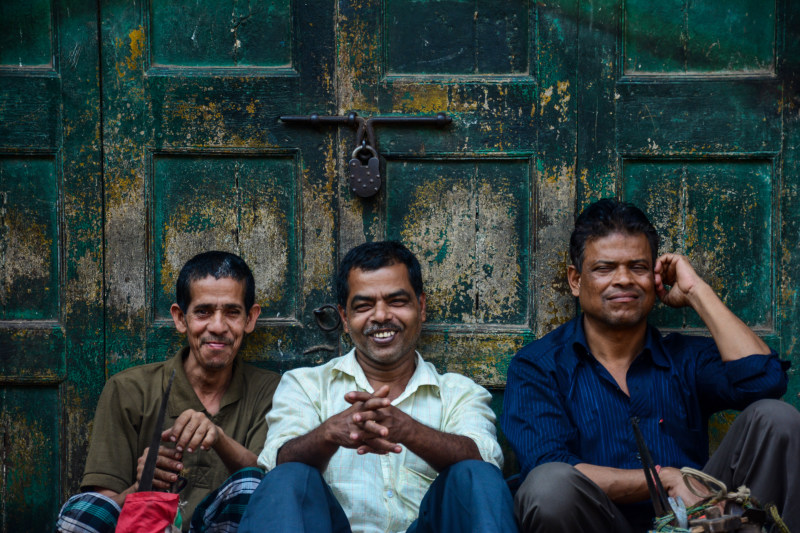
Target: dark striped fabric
x=88, y=512
x=561, y=405
x=222, y=510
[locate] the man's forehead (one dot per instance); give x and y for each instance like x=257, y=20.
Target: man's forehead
x=386, y=278
x=618, y=245
x=213, y=291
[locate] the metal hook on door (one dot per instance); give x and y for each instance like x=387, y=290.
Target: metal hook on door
x=365, y=177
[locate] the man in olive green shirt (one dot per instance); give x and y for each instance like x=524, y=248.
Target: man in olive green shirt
x=215, y=422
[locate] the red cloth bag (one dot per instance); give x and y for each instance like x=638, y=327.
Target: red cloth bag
x=147, y=512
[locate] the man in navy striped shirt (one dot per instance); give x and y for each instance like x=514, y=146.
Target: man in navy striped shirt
x=571, y=394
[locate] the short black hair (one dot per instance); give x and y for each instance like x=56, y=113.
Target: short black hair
x=605, y=217
x=217, y=264
x=372, y=256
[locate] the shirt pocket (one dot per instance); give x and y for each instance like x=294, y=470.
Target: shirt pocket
x=416, y=477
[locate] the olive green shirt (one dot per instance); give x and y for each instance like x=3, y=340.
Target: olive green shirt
x=127, y=411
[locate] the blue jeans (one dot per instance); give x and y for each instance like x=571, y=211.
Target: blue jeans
x=467, y=496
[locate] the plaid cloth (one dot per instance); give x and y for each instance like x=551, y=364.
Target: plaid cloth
x=88, y=512
x=222, y=510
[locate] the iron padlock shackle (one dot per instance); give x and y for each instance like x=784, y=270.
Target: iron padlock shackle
x=364, y=146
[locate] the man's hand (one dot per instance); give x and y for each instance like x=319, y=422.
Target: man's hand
x=732, y=336
x=168, y=466
x=382, y=425
x=192, y=431
x=355, y=427
x=676, y=271
x=672, y=480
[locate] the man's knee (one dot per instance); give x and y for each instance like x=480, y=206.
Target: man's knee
x=292, y=475
x=469, y=472
x=551, y=488
x=780, y=419
x=88, y=511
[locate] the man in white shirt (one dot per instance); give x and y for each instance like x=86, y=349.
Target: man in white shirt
x=377, y=440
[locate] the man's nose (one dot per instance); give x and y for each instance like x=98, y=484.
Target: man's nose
x=217, y=323
x=622, y=276
x=382, y=312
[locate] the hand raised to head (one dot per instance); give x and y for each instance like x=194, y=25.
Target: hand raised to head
x=675, y=271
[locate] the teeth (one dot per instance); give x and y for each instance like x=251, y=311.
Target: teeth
x=384, y=334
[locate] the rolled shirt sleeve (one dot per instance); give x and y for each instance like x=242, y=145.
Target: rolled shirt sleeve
x=468, y=413
x=295, y=411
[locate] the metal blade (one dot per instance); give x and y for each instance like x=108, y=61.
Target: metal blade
x=149, y=470
x=654, y=486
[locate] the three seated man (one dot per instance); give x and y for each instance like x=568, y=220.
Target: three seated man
x=378, y=440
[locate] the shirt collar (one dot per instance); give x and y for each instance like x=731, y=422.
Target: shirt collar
x=182, y=395
x=653, y=346
x=423, y=375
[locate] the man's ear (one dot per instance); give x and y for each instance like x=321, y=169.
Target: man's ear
x=422, y=307
x=178, y=317
x=252, y=316
x=574, y=279
x=343, y=316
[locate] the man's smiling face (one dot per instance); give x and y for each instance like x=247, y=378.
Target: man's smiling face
x=616, y=288
x=383, y=315
x=215, y=322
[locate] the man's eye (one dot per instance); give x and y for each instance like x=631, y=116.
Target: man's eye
x=201, y=313
x=398, y=303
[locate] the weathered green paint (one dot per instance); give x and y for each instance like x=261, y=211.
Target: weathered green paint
x=26, y=37
x=29, y=216
x=698, y=37
x=221, y=34
x=690, y=109
x=51, y=254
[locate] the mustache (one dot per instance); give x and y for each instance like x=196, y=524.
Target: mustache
x=215, y=339
x=381, y=327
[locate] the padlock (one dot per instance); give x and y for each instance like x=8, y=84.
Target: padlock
x=365, y=180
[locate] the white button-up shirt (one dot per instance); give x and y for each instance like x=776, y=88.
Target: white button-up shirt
x=379, y=492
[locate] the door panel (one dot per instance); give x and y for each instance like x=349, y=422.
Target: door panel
x=689, y=109
x=50, y=253
x=695, y=132
x=196, y=160
x=474, y=199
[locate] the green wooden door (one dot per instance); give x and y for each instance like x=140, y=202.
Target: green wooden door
x=196, y=159
x=485, y=202
x=127, y=147
x=51, y=314
x=689, y=109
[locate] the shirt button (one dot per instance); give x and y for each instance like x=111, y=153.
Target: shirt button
x=389, y=494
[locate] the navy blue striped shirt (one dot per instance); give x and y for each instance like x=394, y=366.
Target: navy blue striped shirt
x=562, y=405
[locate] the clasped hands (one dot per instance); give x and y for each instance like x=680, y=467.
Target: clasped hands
x=370, y=425
x=191, y=431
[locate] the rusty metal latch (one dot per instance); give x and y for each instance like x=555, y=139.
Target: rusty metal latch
x=365, y=177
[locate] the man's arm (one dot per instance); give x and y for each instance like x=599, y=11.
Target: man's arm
x=630, y=486
x=168, y=466
x=437, y=448
x=467, y=427
x=732, y=336
x=193, y=431
x=316, y=447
